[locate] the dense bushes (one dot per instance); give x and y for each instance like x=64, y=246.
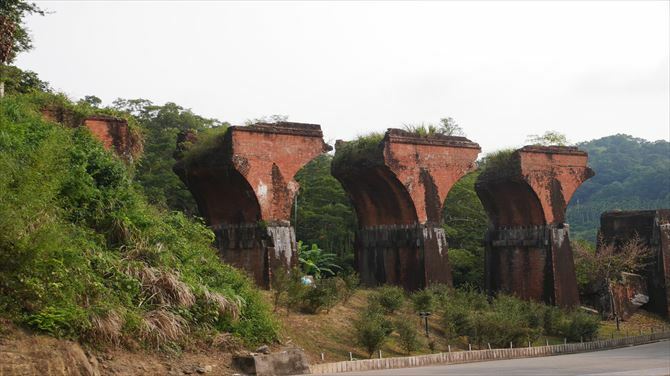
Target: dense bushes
x=82, y=254
x=467, y=313
x=291, y=292
x=389, y=298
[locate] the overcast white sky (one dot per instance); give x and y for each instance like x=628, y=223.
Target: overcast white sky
x=503, y=70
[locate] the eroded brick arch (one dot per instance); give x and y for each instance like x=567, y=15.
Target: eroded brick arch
x=528, y=251
x=398, y=191
x=244, y=187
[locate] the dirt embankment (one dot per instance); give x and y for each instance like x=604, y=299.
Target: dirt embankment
x=23, y=353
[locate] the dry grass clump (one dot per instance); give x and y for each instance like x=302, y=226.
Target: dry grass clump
x=160, y=327
x=162, y=287
x=106, y=328
x=228, y=342
x=224, y=305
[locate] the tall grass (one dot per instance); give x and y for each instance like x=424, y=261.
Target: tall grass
x=84, y=256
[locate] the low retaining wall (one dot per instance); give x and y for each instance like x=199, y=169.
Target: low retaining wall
x=483, y=355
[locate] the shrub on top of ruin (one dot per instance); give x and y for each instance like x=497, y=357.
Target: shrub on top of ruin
x=74, y=114
x=446, y=127
x=267, y=119
x=207, y=141
x=499, y=162
x=608, y=262
x=549, y=138
x=365, y=148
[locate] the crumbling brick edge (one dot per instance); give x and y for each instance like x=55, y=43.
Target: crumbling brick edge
x=484, y=355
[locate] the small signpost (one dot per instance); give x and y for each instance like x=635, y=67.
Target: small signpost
x=424, y=316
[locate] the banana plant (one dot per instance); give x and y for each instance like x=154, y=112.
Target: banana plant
x=316, y=262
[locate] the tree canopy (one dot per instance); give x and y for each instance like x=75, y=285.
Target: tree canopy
x=14, y=36
x=631, y=173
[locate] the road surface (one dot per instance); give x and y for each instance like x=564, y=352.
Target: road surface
x=645, y=360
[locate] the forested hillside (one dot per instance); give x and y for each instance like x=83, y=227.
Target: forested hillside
x=85, y=255
x=631, y=173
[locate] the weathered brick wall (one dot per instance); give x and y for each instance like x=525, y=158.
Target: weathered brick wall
x=398, y=193
x=528, y=250
x=113, y=132
x=652, y=227
x=244, y=188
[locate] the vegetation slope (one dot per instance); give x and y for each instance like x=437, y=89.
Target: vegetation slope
x=83, y=255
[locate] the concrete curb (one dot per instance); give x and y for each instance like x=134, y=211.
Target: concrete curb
x=483, y=355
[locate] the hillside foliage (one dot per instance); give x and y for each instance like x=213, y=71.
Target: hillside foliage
x=83, y=254
x=631, y=173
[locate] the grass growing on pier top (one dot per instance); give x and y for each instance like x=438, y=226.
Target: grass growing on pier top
x=364, y=148
x=499, y=162
x=206, y=141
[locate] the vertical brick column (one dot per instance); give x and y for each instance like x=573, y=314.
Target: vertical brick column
x=244, y=188
x=528, y=250
x=652, y=227
x=398, y=190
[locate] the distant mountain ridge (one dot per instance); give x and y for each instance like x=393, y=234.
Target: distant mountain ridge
x=631, y=173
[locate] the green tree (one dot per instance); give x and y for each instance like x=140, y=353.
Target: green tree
x=549, y=138
x=631, y=174
x=161, y=125
x=18, y=81
x=14, y=37
x=465, y=224
x=324, y=214
x=449, y=127
x=91, y=100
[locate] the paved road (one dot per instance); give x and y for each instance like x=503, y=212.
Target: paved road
x=646, y=360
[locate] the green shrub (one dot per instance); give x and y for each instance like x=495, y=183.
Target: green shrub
x=423, y=301
x=372, y=329
x=323, y=296
x=500, y=162
x=407, y=336
x=390, y=298
x=83, y=256
x=456, y=321
x=208, y=140
x=365, y=148
x=499, y=329
x=577, y=326
x=350, y=284
x=316, y=262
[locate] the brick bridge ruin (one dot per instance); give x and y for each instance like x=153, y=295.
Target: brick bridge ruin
x=114, y=133
x=528, y=250
x=398, y=188
x=652, y=228
x=244, y=189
